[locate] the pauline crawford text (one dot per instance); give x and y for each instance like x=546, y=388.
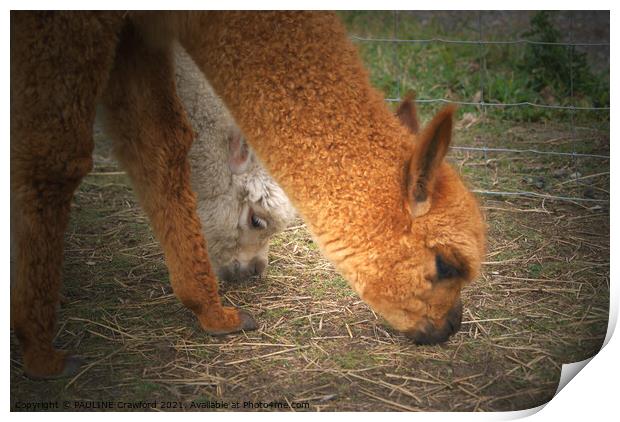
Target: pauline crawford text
x=145, y=405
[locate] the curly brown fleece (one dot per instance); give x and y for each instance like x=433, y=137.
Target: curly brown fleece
x=384, y=207
x=381, y=203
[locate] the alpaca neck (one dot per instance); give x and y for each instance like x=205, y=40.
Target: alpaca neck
x=300, y=94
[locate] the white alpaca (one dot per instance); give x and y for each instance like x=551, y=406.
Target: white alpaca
x=241, y=207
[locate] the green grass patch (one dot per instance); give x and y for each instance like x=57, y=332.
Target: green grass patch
x=471, y=72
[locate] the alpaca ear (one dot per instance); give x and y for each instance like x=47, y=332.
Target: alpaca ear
x=239, y=155
x=428, y=153
x=408, y=114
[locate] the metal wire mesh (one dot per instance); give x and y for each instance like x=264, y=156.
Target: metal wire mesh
x=483, y=103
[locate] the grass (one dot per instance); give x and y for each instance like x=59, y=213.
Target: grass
x=495, y=73
x=541, y=301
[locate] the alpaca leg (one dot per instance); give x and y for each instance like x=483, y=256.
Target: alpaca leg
x=57, y=71
x=152, y=139
x=39, y=215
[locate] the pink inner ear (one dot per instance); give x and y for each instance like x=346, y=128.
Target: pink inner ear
x=238, y=152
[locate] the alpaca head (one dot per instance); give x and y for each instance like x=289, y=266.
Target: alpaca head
x=263, y=210
x=416, y=282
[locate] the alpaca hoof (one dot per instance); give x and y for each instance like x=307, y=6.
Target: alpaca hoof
x=246, y=323
x=72, y=365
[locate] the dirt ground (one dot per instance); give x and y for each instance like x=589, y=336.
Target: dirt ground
x=542, y=300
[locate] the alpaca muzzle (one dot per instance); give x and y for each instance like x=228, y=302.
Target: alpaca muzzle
x=429, y=334
x=236, y=271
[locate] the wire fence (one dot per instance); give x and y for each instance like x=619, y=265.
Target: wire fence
x=483, y=103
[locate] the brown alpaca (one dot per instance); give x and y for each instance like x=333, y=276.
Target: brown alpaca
x=396, y=221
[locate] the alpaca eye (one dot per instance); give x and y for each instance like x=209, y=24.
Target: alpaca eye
x=445, y=270
x=258, y=223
